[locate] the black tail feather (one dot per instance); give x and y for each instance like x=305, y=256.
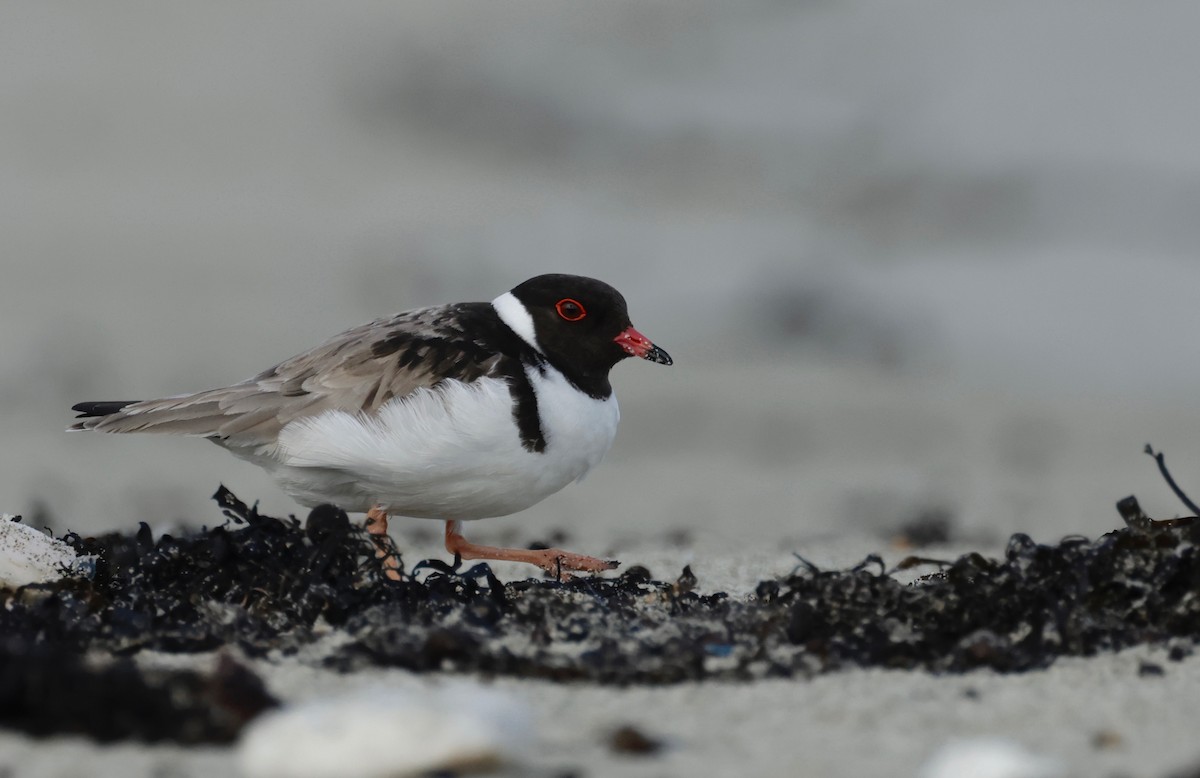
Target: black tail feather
x=88, y=410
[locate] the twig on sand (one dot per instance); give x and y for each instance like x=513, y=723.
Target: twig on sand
x=1136, y=518
x=1166, y=474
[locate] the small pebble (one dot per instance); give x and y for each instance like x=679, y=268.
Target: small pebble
x=631, y=740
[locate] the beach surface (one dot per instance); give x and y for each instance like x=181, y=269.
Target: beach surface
x=916, y=263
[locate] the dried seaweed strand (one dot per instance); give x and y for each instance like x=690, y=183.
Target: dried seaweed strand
x=1166, y=474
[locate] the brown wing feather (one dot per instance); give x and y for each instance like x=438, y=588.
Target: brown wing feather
x=356, y=371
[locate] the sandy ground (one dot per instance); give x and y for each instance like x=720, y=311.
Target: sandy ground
x=1094, y=717
x=907, y=259
x=833, y=482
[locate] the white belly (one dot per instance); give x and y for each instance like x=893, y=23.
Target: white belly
x=447, y=453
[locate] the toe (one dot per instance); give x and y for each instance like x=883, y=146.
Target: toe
x=557, y=560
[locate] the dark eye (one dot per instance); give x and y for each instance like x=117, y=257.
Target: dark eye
x=571, y=310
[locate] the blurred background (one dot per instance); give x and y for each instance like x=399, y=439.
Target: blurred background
x=919, y=259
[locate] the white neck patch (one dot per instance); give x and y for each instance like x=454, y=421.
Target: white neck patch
x=514, y=313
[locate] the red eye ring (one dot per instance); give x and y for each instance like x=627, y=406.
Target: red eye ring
x=571, y=310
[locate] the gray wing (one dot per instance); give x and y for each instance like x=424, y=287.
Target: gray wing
x=357, y=371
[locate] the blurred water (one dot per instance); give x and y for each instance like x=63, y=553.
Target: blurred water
x=925, y=253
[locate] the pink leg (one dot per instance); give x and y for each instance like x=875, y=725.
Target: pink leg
x=377, y=527
x=552, y=560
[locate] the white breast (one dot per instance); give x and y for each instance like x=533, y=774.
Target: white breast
x=453, y=452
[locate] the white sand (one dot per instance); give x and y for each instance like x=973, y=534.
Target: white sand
x=1097, y=716
x=929, y=256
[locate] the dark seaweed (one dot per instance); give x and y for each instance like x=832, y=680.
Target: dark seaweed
x=48, y=690
x=273, y=585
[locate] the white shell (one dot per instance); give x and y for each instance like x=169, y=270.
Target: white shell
x=989, y=757
x=386, y=732
x=28, y=555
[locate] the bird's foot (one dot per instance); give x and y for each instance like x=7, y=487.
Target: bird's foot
x=553, y=560
x=376, y=525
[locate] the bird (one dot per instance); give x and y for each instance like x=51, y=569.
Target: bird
x=453, y=412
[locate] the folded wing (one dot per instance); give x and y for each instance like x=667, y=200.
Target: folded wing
x=357, y=371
